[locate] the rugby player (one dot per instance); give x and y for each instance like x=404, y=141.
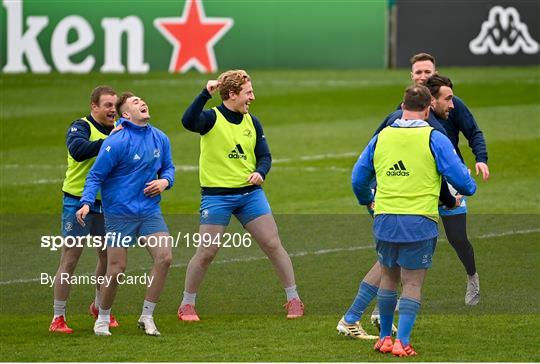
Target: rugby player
x=133, y=168
x=83, y=140
x=233, y=165
x=407, y=159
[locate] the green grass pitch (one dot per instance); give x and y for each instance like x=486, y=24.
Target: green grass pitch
x=316, y=122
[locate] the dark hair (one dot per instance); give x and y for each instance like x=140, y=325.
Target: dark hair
x=422, y=57
x=416, y=98
x=435, y=82
x=232, y=80
x=122, y=100
x=99, y=91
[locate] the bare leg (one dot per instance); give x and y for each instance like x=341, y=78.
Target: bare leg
x=198, y=265
x=116, y=264
x=389, y=278
x=412, y=281
x=373, y=277
x=68, y=262
x=265, y=232
x=161, y=252
x=101, y=265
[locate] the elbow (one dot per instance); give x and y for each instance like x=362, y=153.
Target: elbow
x=470, y=189
x=78, y=157
x=185, y=122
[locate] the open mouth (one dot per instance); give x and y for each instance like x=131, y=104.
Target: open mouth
x=144, y=110
x=111, y=115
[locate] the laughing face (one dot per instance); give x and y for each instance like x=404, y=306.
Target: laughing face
x=104, y=112
x=136, y=110
x=443, y=104
x=240, y=102
x=421, y=71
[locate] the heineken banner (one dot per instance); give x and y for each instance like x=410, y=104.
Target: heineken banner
x=77, y=36
x=469, y=33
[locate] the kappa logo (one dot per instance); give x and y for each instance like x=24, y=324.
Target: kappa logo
x=398, y=169
x=108, y=149
x=73, y=129
x=156, y=153
x=238, y=153
x=136, y=158
x=503, y=33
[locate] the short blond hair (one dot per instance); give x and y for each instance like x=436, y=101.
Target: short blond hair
x=232, y=80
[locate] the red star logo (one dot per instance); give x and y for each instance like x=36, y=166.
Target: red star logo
x=193, y=36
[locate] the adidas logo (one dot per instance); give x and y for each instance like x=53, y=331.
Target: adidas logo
x=237, y=153
x=398, y=170
x=136, y=158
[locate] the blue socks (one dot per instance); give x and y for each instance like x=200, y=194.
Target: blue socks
x=387, y=301
x=366, y=293
x=408, y=310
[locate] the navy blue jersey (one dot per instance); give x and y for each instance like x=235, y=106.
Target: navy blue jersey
x=202, y=121
x=460, y=119
x=77, y=139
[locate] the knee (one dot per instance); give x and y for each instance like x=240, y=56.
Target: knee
x=102, y=257
x=69, y=263
x=412, y=284
x=164, y=260
x=272, y=246
x=205, y=257
x=115, y=268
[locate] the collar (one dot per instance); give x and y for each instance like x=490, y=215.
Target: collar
x=232, y=116
x=127, y=123
x=400, y=123
x=102, y=128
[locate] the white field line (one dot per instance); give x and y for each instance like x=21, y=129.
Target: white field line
x=194, y=168
x=317, y=157
x=297, y=254
x=276, y=161
x=44, y=181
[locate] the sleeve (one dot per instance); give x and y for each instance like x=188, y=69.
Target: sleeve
x=363, y=173
x=78, y=143
x=106, y=160
x=445, y=196
x=450, y=166
x=466, y=123
x=262, y=150
x=197, y=120
x=167, y=170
